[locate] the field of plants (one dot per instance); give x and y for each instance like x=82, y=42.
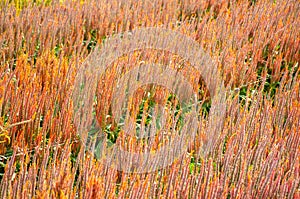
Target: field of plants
x=254, y=153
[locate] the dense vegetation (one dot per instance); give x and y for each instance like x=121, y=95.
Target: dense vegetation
x=255, y=45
